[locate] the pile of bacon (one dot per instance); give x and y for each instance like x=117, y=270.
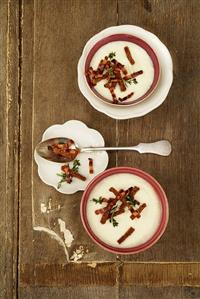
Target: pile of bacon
x=115, y=73
x=127, y=201
x=64, y=150
x=70, y=173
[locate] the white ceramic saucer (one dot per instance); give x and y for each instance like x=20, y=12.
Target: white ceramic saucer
x=154, y=100
x=83, y=137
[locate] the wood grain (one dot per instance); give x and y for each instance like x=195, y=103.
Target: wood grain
x=159, y=292
x=160, y=274
x=86, y=292
x=53, y=37
x=9, y=127
x=176, y=23
x=42, y=42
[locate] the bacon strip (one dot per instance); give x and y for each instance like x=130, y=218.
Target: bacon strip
x=100, y=211
x=77, y=175
x=102, y=64
x=126, y=97
x=136, y=213
x=128, y=55
x=142, y=207
x=108, y=208
x=66, y=170
x=118, y=76
x=126, y=235
x=120, y=66
x=133, y=75
x=91, y=168
x=113, y=190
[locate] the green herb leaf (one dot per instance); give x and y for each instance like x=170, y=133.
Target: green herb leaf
x=76, y=165
x=61, y=174
x=130, y=81
x=111, y=55
x=63, y=179
x=112, y=219
x=131, y=200
x=114, y=222
x=98, y=200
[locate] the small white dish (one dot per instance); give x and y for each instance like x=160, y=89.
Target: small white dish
x=83, y=137
x=155, y=99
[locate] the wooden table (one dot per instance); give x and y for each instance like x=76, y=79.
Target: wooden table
x=41, y=42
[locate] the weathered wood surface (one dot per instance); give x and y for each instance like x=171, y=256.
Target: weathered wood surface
x=176, y=23
x=48, y=37
x=9, y=134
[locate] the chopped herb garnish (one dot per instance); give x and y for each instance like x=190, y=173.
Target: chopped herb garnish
x=76, y=165
x=130, y=81
x=63, y=179
x=98, y=200
x=131, y=200
x=112, y=55
x=63, y=175
x=111, y=73
x=112, y=219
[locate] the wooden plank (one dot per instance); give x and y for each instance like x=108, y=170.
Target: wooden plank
x=53, y=36
x=69, y=275
x=156, y=280
x=176, y=23
x=86, y=292
x=160, y=275
x=159, y=292
x=9, y=118
x=48, y=46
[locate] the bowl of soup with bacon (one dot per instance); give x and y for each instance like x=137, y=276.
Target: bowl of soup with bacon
x=122, y=69
x=124, y=210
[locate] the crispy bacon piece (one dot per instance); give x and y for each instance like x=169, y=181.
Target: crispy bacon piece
x=142, y=207
x=126, y=235
x=136, y=213
x=113, y=190
x=91, y=76
x=64, y=150
x=65, y=169
x=70, y=174
x=111, y=86
x=108, y=208
x=133, y=75
x=91, y=168
x=132, y=192
x=120, y=66
x=118, y=76
x=121, y=209
x=77, y=175
x=126, y=97
x=102, y=64
x=128, y=55
x=113, y=94
x=100, y=211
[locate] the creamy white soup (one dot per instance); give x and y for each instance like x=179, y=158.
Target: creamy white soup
x=145, y=226
x=142, y=62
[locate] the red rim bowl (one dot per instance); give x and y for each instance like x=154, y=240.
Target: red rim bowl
x=137, y=41
x=161, y=195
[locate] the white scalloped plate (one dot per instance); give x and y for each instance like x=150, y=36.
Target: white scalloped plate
x=83, y=137
x=154, y=100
